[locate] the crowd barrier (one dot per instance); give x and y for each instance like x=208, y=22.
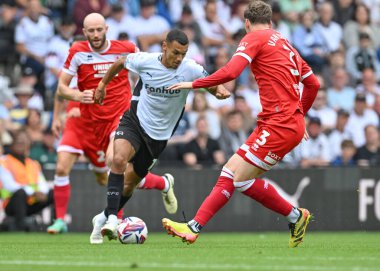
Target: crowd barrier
x=339, y=198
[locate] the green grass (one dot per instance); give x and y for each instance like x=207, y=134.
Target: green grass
x=223, y=251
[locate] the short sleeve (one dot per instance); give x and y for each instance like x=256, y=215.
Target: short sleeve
x=198, y=71
x=133, y=62
x=71, y=65
x=248, y=47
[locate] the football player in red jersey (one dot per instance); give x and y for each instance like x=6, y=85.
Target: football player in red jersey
x=279, y=70
x=89, y=61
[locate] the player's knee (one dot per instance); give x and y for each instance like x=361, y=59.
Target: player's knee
x=119, y=162
x=62, y=170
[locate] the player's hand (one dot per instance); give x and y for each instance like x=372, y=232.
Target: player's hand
x=73, y=113
x=87, y=96
x=56, y=128
x=100, y=94
x=222, y=94
x=182, y=85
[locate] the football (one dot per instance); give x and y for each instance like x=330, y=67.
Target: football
x=132, y=230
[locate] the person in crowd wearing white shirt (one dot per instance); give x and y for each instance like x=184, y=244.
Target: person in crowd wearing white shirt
x=338, y=134
x=321, y=110
x=330, y=31
x=32, y=35
x=315, y=152
x=149, y=29
x=360, y=117
x=340, y=95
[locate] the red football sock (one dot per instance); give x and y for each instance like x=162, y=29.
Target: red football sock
x=61, y=200
x=263, y=192
x=219, y=196
x=120, y=213
x=152, y=181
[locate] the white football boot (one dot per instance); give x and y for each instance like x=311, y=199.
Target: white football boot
x=98, y=222
x=110, y=228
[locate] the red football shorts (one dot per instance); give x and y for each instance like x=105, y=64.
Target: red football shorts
x=79, y=138
x=269, y=143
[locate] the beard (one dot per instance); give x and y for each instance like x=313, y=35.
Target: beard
x=99, y=43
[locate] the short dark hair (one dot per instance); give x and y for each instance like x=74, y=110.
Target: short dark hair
x=258, y=12
x=178, y=36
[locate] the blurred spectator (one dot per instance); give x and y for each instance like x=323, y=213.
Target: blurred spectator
x=19, y=112
x=309, y=42
x=359, y=118
x=330, y=31
x=45, y=151
x=182, y=135
x=32, y=35
x=369, y=154
x=320, y=110
x=176, y=8
x=200, y=108
x=194, y=51
x=187, y=21
x=376, y=108
x=233, y=133
x=278, y=22
x=344, y=11
x=236, y=22
x=374, y=6
x=84, y=7
x=297, y=6
x=203, y=150
x=214, y=33
x=337, y=60
x=25, y=191
x=34, y=128
x=348, y=151
x=251, y=95
x=149, y=29
x=8, y=22
x=58, y=47
x=360, y=24
x=241, y=106
x=338, y=134
x=369, y=86
x=315, y=152
x=362, y=57
x=119, y=22
x=6, y=94
x=340, y=95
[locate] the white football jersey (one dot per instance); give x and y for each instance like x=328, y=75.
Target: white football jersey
x=157, y=108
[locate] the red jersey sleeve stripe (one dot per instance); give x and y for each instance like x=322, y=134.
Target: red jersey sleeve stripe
x=247, y=57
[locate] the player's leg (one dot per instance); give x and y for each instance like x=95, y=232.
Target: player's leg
x=164, y=183
x=241, y=173
x=65, y=161
x=123, y=152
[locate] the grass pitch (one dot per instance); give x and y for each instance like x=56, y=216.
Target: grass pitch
x=223, y=251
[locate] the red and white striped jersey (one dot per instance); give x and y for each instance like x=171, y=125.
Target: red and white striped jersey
x=90, y=67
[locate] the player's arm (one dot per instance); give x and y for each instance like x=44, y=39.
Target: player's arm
x=64, y=91
x=225, y=74
x=311, y=87
x=100, y=92
x=56, y=126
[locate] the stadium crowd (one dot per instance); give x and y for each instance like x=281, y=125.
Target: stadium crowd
x=340, y=39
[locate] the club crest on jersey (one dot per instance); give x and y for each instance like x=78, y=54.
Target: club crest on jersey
x=89, y=58
x=180, y=78
x=242, y=46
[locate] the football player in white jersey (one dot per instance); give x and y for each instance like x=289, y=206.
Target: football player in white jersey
x=146, y=127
